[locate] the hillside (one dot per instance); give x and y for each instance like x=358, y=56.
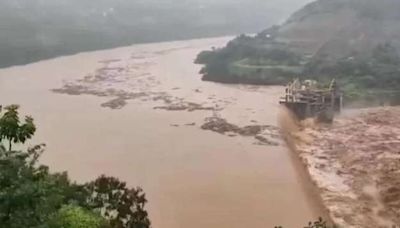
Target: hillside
x=353, y=25
x=35, y=30
x=355, y=41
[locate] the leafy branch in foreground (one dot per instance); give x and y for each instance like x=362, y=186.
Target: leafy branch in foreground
x=12, y=129
x=122, y=206
x=71, y=216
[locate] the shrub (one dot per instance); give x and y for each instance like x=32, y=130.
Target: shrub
x=70, y=216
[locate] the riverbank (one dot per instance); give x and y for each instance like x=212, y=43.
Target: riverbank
x=355, y=165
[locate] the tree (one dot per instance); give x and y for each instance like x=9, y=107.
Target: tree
x=122, y=206
x=71, y=216
x=31, y=196
x=12, y=130
x=28, y=193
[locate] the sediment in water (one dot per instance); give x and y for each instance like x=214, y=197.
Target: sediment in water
x=192, y=178
x=290, y=130
x=355, y=164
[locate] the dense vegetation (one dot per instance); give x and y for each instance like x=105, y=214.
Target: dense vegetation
x=252, y=60
x=31, y=196
x=363, y=55
x=35, y=30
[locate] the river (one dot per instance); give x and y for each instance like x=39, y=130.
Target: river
x=192, y=177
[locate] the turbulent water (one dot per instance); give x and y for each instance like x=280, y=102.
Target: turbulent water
x=135, y=113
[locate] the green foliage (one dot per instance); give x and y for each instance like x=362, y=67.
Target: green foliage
x=368, y=78
x=31, y=196
x=28, y=193
x=122, y=206
x=204, y=57
x=12, y=129
x=70, y=216
x=253, y=60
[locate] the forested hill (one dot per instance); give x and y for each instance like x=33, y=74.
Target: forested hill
x=32, y=30
x=340, y=27
x=355, y=41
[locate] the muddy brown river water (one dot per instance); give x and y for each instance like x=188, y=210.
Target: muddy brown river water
x=96, y=113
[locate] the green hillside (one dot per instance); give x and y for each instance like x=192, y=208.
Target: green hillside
x=355, y=41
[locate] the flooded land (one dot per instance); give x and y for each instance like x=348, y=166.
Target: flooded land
x=206, y=154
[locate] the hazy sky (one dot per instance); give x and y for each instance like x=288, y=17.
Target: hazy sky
x=60, y=26
x=287, y=6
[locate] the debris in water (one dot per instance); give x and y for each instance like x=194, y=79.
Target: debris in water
x=117, y=103
x=260, y=132
x=264, y=141
x=185, y=106
x=115, y=80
